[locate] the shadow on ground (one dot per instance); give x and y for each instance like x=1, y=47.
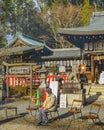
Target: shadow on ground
x=92, y=98
x=9, y=119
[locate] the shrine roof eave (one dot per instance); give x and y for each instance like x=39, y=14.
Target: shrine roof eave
x=29, y=41
x=94, y=52
x=58, y=57
x=60, y=50
x=20, y=64
x=76, y=32
x=18, y=50
x=96, y=26
x=62, y=53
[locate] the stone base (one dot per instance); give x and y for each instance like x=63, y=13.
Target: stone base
x=70, y=97
x=42, y=86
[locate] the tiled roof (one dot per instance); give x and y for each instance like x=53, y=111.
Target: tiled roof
x=96, y=26
x=31, y=45
x=15, y=50
x=63, y=53
x=26, y=39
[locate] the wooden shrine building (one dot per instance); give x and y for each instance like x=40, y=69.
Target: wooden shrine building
x=90, y=40
x=25, y=51
x=20, y=59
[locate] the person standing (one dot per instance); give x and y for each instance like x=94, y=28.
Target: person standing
x=48, y=105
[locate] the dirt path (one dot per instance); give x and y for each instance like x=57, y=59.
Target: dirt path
x=28, y=123
x=25, y=121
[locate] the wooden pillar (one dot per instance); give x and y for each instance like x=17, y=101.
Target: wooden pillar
x=92, y=69
x=30, y=81
x=82, y=57
x=7, y=83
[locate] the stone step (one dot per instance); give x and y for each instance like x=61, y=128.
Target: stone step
x=97, y=87
x=100, y=96
x=96, y=90
x=96, y=93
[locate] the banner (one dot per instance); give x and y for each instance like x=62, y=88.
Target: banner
x=54, y=86
x=63, y=101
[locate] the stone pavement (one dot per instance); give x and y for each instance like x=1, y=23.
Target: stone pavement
x=26, y=121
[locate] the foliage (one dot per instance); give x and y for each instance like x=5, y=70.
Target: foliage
x=49, y=3
x=77, y=2
x=21, y=91
x=2, y=25
x=86, y=12
x=61, y=15
x=20, y=15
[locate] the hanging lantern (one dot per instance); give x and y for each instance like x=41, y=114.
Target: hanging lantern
x=90, y=46
x=67, y=63
x=82, y=68
x=86, y=46
x=60, y=62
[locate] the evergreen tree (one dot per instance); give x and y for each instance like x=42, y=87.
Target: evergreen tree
x=86, y=12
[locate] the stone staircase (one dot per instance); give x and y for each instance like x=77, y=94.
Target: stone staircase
x=97, y=89
x=94, y=92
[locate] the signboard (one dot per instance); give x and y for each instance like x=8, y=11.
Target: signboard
x=54, y=86
x=63, y=101
x=19, y=70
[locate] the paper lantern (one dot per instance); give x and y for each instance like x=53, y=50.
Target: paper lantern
x=82, y=68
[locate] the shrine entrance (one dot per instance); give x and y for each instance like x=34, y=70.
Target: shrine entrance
x=20, y=75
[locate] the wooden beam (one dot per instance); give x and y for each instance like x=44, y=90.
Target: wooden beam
x=19, y=64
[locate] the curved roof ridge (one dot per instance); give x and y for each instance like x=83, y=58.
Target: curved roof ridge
x=36, y=39
x=27, y=39
x=61, y=49
x=96, y=26
x=100, y=13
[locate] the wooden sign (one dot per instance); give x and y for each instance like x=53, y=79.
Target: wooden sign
x=19, y=70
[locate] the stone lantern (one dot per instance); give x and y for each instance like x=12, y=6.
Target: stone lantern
x=42, y=87
x=42, y=72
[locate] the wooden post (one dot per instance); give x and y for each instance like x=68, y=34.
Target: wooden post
x=7, y=83
x=92, y=69
x=30, y=81
x=82, y=57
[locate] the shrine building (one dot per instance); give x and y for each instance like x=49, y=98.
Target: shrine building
x=90, y=40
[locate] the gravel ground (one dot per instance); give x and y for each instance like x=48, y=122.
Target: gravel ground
x=26, y=121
